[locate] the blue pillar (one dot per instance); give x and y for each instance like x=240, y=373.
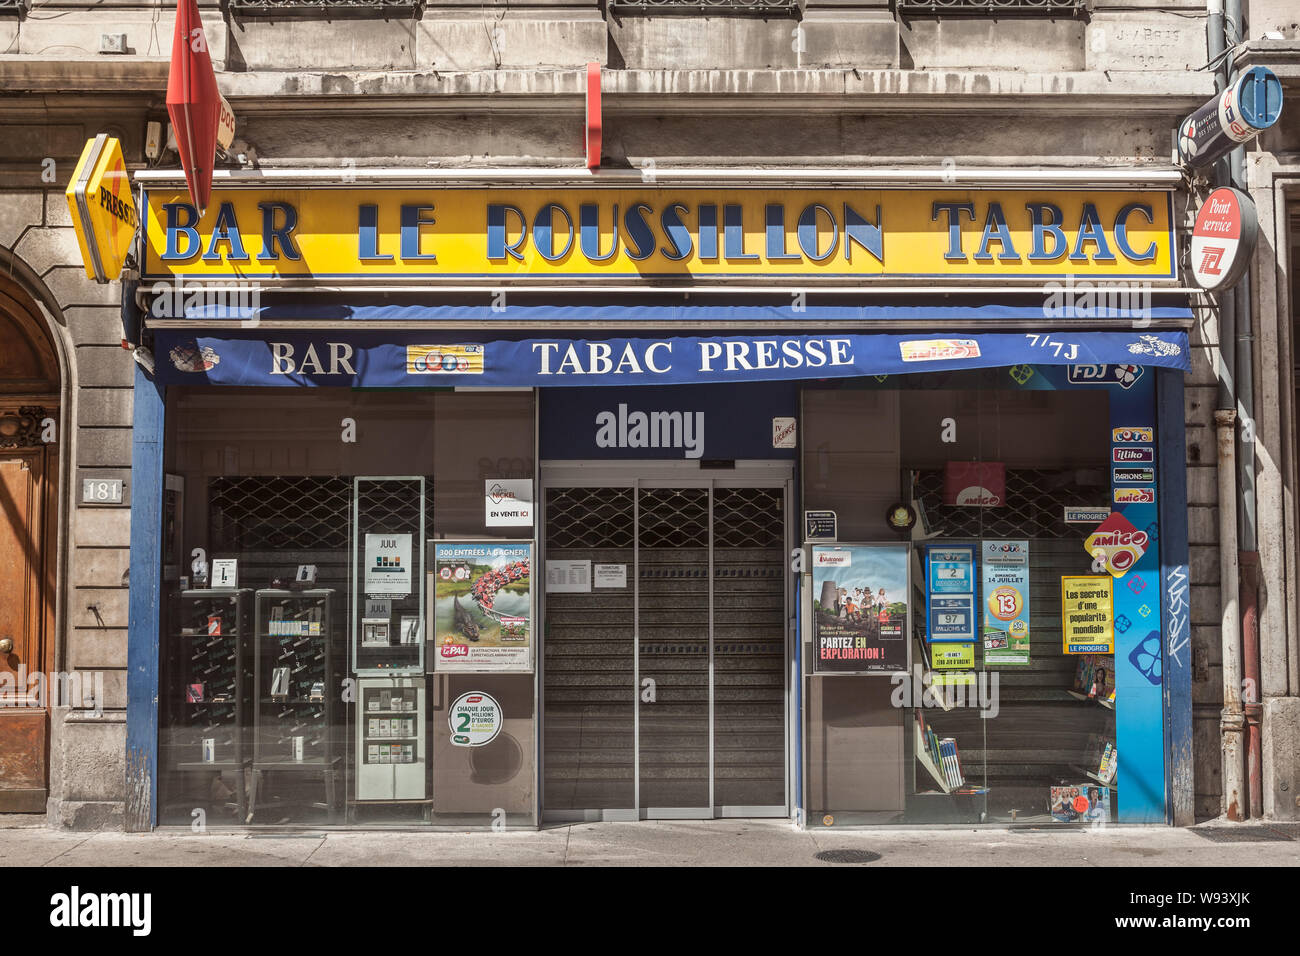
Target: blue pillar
x=1175, y=596
x=141, y=812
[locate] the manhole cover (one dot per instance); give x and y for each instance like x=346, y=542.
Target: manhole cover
x=847, y=856
x=1246, y=834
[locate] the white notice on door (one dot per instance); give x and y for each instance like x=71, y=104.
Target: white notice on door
x=568, y=577
x=610, y=576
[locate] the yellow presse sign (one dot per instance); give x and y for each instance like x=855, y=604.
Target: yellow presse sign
x=654, y=234
x=103, y=211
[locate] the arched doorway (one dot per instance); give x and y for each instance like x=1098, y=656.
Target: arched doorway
x=29, y=433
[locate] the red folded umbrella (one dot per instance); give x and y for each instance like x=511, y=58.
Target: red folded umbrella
x=193, y=102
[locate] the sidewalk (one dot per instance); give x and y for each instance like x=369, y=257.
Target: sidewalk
x=749, y=843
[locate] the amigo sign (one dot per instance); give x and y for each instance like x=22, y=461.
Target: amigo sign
x=1117, y=544
x=697, y=234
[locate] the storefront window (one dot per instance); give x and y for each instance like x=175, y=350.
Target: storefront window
x=300, y=679
x=982, y=491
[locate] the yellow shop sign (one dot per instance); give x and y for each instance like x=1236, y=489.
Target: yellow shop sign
x=660, y=234
x=103, y=212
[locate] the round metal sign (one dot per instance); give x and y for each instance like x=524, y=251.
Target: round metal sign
x=1223, y=238
x=475, y=719
x=1241, y=112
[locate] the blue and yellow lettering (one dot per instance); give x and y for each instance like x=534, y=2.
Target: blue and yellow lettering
x=868, y=235
x=953, y=211
x=281, y=234
x=708, y=231
x=995, y=230
x=1121, y=232
x=368, y=234
x=733, y=233
x=808, y=234
x=679, y=237
x=1090, y=230
x=639, y=233
x=413, y=218
x=542, y=232
x=176, y=229
x=498, y=246
x=1045, y=219
x=775, y=216
x=589, y=233
x=226, y=230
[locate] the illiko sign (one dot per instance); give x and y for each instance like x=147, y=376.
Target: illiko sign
x=103, y=212
x=621, y=234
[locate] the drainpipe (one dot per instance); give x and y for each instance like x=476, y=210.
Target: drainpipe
x=1248, y=560
x=1232, y=721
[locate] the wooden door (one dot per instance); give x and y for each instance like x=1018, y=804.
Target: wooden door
x=29, y=438
x=24, y=600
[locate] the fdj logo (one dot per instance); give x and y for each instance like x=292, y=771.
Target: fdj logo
x=1122, y=375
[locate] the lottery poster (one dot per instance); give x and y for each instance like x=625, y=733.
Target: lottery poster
x=1005, y=566
x=483, y=607
x=860, y=612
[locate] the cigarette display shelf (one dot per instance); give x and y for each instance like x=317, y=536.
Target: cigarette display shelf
x=208, y=702
x=392, y=764
x=297, y=680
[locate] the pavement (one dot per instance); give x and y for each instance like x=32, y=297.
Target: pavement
x=746, y=843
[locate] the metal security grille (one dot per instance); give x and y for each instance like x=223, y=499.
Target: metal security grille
x=1042, y=8
x=13, y=7
x=748, y=647
x=674, y=518
x=589, y=517
x=705, y=628
x=279, y=514
x=1033, y=509
x=747, y=517
x=589, y=751
x=391, y=506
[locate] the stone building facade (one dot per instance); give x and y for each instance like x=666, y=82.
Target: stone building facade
x=938, y=91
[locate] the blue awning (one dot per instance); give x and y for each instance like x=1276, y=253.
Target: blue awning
x=423, y=358
x=1071, y=303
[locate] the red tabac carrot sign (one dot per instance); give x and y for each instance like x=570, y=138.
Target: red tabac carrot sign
x=201, y=118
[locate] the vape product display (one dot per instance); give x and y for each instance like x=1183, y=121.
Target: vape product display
x=391, y=739
x=207, y=682
x=411, y=630
x=388, y=576
x=295, y=665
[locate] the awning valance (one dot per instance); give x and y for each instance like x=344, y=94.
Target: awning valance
x=423, y=359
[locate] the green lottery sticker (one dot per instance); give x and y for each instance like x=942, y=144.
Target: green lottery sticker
x=475, y=719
